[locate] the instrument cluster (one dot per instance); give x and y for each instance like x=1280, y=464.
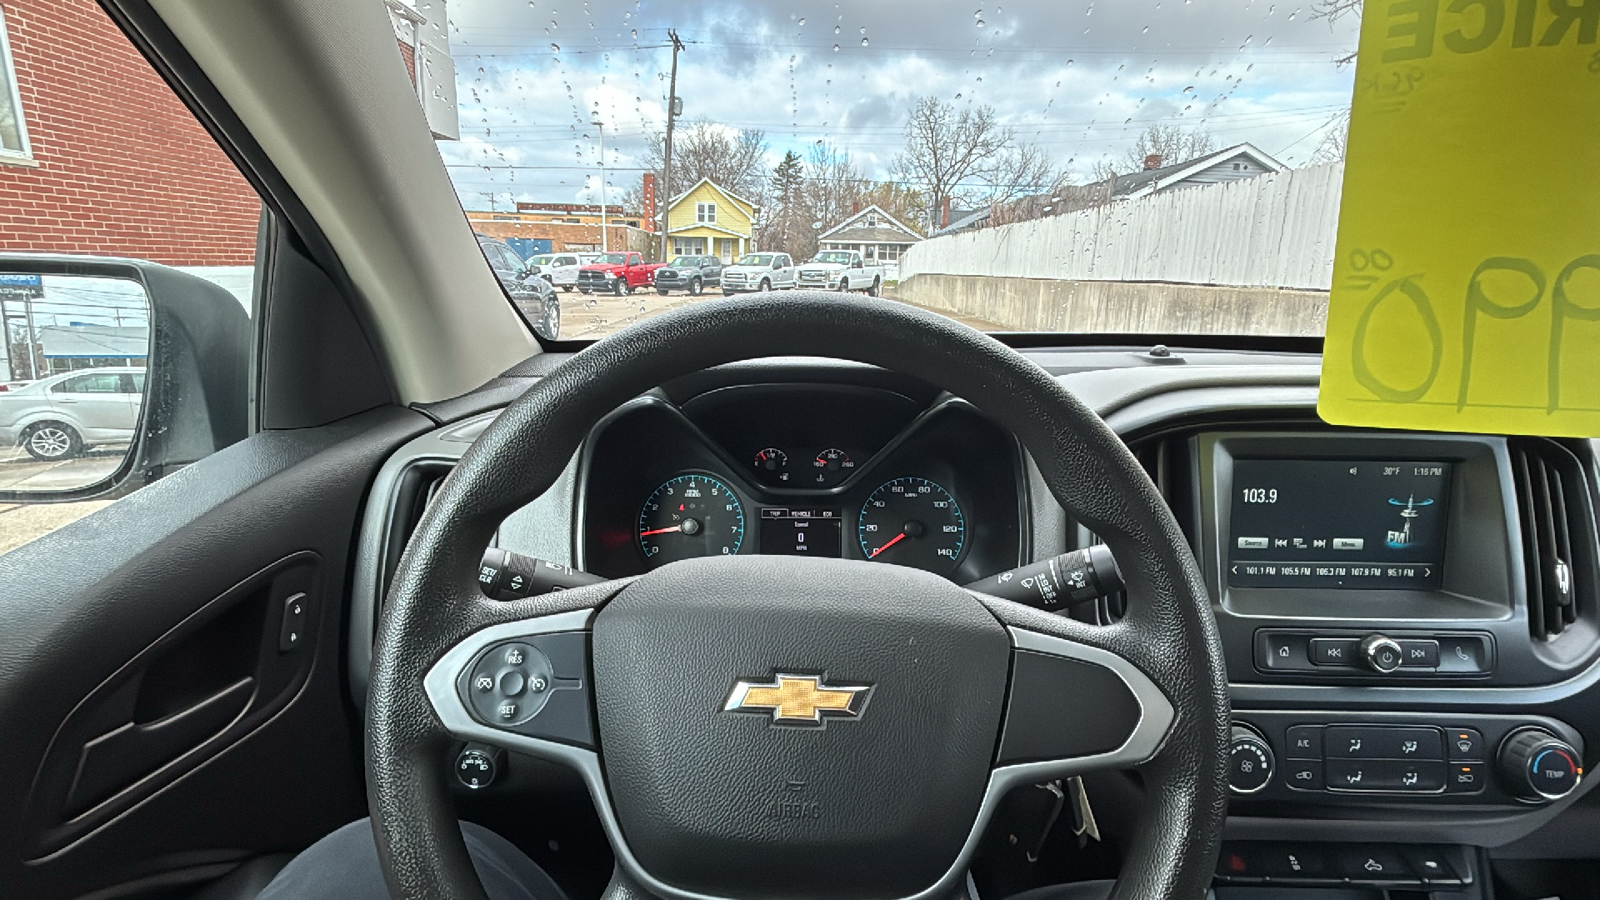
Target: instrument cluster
x=805, y=470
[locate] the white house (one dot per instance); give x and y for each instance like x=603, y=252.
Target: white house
x=880, y=238
x=1233, y=164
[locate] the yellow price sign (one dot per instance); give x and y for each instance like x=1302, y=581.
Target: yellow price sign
x=1466, y=283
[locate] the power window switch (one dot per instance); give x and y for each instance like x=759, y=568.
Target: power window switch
x=292, y=633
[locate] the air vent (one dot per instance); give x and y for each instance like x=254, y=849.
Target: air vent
x=1558, y=542
x=416, y=489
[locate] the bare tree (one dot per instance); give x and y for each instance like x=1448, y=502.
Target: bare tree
x=1333, y=11
x=1173, y=143
x=1333, y=143
x=945, y=146
x=735, y=159
x=1024, y=170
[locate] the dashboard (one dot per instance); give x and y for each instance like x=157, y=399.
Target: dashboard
x=1411, y=621
x=827, y=470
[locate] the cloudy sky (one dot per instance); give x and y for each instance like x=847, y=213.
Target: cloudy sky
x=1080, y=78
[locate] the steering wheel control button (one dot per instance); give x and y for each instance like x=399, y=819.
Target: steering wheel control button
x=1383, y=742
x=1464, y=745
x=534, y=686
x=1381, y=653
x=1304, y=742
x=1385, y=775
x=1538, y=766
x=1250, y=761
x=478, y=765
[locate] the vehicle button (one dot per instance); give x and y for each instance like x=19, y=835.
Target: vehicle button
x=1419, y=654
x=1304, y=741
x=1467, y=654
x=1334, y=651
x=1464, y=745
x=1431, y=865
x=1280, y=651
x=1392, y=775
x=1303, y=774
x=1292, y=863
x=1465, y=778
x=1374, y=865
x=1382, y=742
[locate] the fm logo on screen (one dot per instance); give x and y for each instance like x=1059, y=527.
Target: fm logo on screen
x=1401, y=539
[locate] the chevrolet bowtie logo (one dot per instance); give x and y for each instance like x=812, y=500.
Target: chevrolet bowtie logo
x=797, y=700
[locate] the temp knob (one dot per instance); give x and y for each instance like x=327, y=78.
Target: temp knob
x=1381, y=653
x=1539, y=766
x=1250, y=761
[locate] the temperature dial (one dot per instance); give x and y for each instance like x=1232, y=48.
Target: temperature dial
x=1539, y=766
x=831, y=465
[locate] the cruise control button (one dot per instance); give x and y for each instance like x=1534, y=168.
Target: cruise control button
x=1382, y=742
x=512, y=682
x=1419, y=654
x=1464, y=745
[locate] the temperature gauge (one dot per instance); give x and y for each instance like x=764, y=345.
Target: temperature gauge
x=773, y=463
x=832, y=465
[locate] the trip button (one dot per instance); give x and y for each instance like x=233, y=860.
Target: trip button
x=1419, y=654
x=1333, y=651
x=1464, y=745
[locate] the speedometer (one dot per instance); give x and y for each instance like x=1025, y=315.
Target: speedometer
x=912, y=522
x=689, y=516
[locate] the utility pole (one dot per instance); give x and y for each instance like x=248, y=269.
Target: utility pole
x=674, y=108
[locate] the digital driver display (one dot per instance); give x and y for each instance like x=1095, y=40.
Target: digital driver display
x=1338, y=524
x=801, y=532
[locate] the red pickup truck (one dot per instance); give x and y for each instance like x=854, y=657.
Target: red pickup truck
x=617, y=273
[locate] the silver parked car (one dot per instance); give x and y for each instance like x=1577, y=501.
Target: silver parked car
x=61, y=416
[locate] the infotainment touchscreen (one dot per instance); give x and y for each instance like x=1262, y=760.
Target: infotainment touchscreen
x=1375, y=525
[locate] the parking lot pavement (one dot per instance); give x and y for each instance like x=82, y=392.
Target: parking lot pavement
x=591, y=316
x=22, y=522
x=21, y=472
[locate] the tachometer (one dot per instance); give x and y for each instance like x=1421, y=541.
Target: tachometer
x=912, y=522
x=690, y=516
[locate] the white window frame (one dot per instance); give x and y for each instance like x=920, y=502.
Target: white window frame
x=25, y=152
x=705, y=213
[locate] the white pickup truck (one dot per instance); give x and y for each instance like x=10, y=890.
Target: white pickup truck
x=841, y=270
x=560, y=269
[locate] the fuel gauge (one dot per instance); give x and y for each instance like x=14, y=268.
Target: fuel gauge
x=832, y=465
x=773, y=464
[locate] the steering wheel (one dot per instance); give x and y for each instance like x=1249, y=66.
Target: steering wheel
x=755, y=728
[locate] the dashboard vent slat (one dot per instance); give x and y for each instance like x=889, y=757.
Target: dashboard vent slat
x=1557, y=528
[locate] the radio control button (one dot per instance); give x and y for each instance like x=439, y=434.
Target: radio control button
x=1463, y=655
x=1334, y=651
x=1419, y=654
x=1381, y=653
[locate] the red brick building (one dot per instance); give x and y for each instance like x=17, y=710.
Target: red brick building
x=107, y=160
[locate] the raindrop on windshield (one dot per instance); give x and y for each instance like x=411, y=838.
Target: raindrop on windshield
x=836, y=48
x=980, y=23
x=863, y=42
x=801, y=21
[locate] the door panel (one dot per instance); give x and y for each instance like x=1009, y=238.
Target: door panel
x=153, y=730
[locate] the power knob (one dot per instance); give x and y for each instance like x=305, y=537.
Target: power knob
x=1381, y=653
x=1250, y=761
x=1539, y=766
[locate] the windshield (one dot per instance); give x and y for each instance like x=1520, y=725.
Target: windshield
x=837, y=256
x=687, y=262
x=1034, y=166
x=611, y=259
x=542, y=259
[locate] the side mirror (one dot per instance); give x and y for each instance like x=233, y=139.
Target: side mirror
x=131, y=370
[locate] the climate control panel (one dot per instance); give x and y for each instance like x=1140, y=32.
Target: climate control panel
x=1403, y=757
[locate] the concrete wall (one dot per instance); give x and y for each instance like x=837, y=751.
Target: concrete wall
x=1037, y=304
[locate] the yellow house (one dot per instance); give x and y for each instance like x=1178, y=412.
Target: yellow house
x=710, y=220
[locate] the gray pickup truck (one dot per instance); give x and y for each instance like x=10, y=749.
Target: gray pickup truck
x=689, y=273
